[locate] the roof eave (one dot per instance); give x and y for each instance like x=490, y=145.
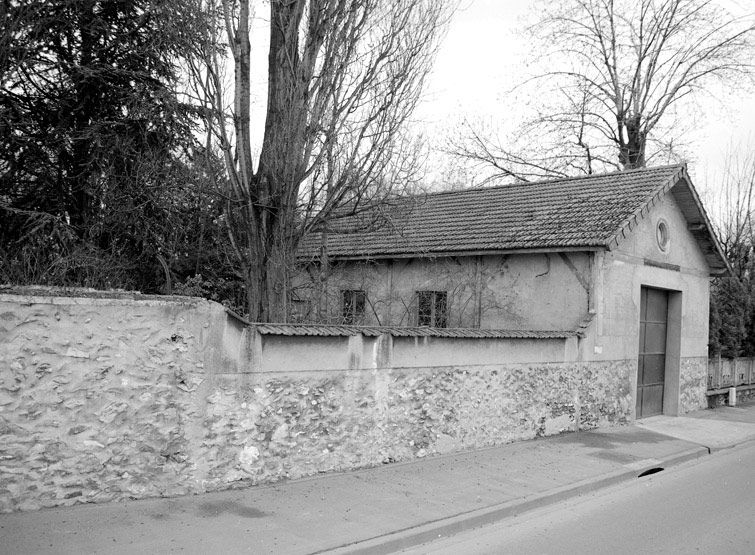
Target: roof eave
x=452, y=253
x=723, y=268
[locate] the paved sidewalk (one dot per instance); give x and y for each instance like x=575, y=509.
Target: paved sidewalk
x=719, y=428
x=382, y=509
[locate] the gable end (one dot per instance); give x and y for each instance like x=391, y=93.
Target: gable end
x=684, y=194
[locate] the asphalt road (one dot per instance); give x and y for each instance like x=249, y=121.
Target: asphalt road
x=706, y=505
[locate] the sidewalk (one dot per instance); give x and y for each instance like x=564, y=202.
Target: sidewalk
x=382, y=509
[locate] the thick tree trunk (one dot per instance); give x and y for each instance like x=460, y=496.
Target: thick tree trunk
x=632, y=150
x=278, y=175
x=278, y=277
x=340, y=86
x=269, y=268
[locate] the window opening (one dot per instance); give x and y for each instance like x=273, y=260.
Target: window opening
x=353, y=304
x=662, y=235
x=432, y=309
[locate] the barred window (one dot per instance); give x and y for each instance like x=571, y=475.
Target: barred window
x=353, y=306
x=432, y=307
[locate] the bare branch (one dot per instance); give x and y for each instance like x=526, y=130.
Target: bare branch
x=624, y=67
x=343, y=79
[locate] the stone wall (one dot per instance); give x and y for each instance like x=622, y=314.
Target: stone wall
x=693, y=377
x=119, y=398
x=292, y=425
x=98, y=397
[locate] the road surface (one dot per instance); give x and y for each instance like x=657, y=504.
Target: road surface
x=706, y=505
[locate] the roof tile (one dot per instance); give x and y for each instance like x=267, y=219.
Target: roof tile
x=373, y=331
x=577, y=212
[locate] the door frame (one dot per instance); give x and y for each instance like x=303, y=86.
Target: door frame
x=671, y=377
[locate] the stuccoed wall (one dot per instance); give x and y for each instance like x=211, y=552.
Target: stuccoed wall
x=624, y=272
x=110, y=399
x=516, y=291
x=98, y=397
x=614, y=332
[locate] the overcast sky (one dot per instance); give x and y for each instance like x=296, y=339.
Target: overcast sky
x=482, y=57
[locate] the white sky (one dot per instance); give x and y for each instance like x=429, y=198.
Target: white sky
x=483, y=54
x=483, y=57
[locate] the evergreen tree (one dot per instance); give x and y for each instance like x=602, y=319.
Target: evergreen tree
x=730, y=315
x=97, y=156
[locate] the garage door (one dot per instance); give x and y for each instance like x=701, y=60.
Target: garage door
x=652, y=359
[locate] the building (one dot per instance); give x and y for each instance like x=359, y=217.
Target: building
x=491, y=316
x=624, y=259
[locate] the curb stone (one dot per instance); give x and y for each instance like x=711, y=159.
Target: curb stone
x=743, y=443
x=392, y=542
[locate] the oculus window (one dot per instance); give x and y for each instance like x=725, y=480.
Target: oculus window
x=662, y=235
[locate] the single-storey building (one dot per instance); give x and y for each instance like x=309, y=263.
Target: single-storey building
x=624, y=259
x=487, y=316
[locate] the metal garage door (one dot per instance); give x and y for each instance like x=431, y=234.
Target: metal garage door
x=652, y=358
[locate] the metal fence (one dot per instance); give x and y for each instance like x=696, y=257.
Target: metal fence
x=730, y=372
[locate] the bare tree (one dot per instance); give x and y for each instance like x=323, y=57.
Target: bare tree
x=732, y=202
x=343, y=79
x=618, y=72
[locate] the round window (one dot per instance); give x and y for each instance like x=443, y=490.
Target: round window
x=662, y=235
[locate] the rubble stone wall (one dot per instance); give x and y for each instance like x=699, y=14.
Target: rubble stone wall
x=693, y=377
x=98, y=397
x=121, y=398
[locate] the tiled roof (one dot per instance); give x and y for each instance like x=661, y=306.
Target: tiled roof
x=373, y=331
x=572, y=213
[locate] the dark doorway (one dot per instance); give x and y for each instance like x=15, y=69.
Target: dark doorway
x=651, y=369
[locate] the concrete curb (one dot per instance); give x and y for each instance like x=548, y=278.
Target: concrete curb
x=744, y=443
x=446, y=527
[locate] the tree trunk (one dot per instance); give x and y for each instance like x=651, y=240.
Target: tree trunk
x=276, y=183
x=257, y=291
x=339, y=85
x=268, y=271
x=278, y=277
x=632, y=151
